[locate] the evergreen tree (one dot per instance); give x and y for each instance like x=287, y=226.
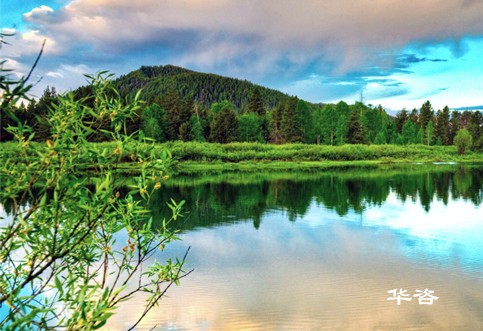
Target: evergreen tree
x=40, y=113
x=256, y=103
x=185, y=133
x=401, y=118
x=426, y=114
x=442, y=126
x=171, y=103
x=356, y=134
x=186, y=109
x=476, y=130
x=454, y=124
x=277, y=115
x=291, y=128
x=196, y=129
x=225, y=127
x=328, y=125
x=343, y=112
x=414, y=116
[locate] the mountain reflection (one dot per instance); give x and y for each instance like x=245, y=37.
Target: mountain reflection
x=217, y=199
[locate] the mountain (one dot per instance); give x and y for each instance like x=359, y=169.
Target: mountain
x=203, y=87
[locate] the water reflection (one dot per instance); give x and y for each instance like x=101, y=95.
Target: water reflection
x=305, y=250
x=217, y=199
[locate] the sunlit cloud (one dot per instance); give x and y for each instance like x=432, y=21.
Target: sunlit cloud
x=279, y=43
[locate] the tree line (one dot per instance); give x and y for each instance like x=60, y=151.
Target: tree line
x=170, y=117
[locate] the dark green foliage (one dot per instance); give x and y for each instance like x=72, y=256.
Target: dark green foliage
x=401, y=118
x=256, y=103
x=454, y=125
x=185, y=133
x=40, y=113
x=414, y=116
x=442, y=126
x=277, y=116
x=183, y=94
x=205, y=89
x=426, y=114
x=291, y=127
x=342, y=130
x=356, y=134
x=475, y=128
x=225, y=127
x=171, y=103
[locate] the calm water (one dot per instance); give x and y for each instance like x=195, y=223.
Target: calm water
x=321, y=250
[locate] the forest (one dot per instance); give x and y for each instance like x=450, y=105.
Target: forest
x=179, y=104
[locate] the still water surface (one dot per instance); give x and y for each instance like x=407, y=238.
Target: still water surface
x=316, y=251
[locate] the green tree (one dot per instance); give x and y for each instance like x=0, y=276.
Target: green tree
x=414, y=116
x=277, y=115
x=256, y=103
x=454, y=125
x=426, y=114
x=196, y=129
x=250, y=129
x=463, y=141
x=442, y=126
x=172, y=104
x=291, y=127
x=409, y=133
x=356, y=134
x=225, y=126
x=328, y=124
x=429, y=132
x=153, y=122
x=475, y=128
x=60, y=265
x=401, y=118
x=305, y=119
x=185, y=133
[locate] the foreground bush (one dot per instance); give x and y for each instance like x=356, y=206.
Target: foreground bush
x=60, y=264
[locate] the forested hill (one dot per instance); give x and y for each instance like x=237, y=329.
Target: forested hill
x=204, y=88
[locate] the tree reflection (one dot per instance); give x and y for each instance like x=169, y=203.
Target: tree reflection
x=248, y=197
x=213, y=200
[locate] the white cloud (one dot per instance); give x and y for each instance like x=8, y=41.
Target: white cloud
x=54, y=74
x=8, y=31
x=249, y=39
x=345, y=33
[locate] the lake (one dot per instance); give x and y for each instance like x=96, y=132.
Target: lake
x=324, y=249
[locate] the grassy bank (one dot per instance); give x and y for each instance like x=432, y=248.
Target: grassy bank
x=196, y=157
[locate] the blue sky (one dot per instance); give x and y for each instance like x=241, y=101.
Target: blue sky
x=398, y=53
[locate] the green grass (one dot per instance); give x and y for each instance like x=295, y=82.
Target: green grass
x=196, y=157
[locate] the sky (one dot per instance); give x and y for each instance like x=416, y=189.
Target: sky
x=396, y=53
